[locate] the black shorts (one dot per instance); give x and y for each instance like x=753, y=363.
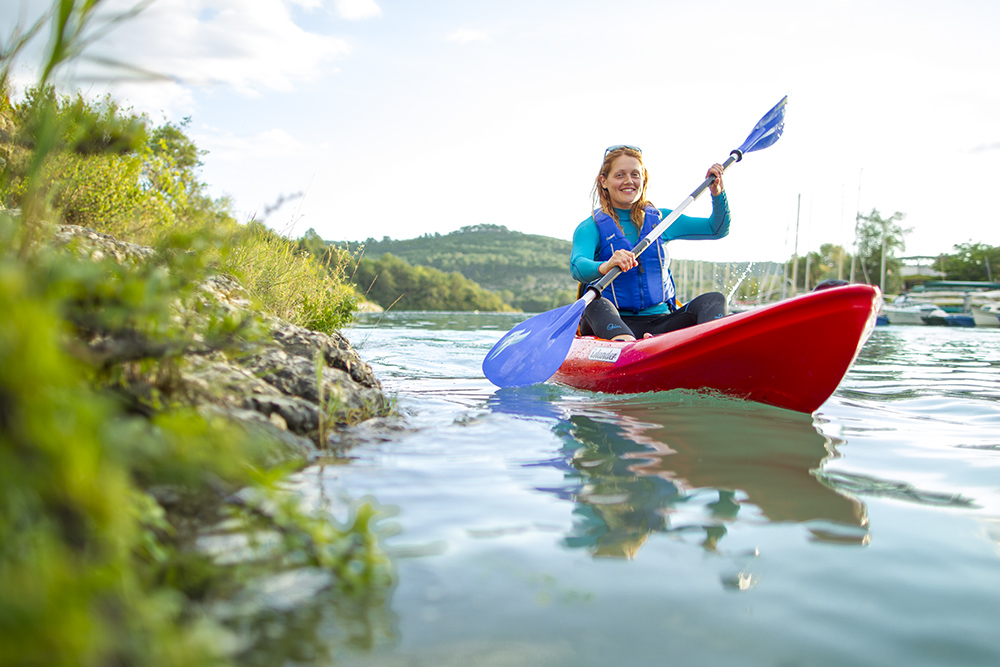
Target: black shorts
x=603, y=320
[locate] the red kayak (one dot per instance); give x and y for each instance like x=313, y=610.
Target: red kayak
x=792, y=354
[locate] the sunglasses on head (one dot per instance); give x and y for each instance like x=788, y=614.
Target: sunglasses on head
x=619, y=147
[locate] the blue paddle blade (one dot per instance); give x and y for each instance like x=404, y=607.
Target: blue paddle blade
x=534, y=350
x=767, y=130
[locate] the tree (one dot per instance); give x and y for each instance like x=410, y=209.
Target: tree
x=173, y=164
x=879, y=239
x=973, y=261
x=821, y=265
x=835, y=260
x=312, y=243
x=392, y=282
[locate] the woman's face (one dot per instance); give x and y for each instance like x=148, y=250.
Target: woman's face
x=624, y=181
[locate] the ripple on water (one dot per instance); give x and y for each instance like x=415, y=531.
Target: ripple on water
x=692, y=526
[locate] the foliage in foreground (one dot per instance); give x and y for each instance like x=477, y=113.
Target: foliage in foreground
x=105, y=470
x=108, y=473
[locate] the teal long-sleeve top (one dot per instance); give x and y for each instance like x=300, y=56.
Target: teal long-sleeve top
x=586, y=239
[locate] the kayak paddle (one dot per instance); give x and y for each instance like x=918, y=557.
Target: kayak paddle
x=534, y=350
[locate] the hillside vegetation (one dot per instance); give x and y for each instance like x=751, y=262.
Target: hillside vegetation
x=529, y=272
x=392, y=282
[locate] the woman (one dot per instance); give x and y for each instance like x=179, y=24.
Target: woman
x=641, y=301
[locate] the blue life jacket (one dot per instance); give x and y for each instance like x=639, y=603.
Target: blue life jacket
x=650, y=283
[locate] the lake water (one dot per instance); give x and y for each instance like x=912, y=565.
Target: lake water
x=549, y=526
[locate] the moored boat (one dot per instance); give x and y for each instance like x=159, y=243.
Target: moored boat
x=987, y=315
x=962, y=304
x=913, y=313
x=959, y=320
x=792, y=354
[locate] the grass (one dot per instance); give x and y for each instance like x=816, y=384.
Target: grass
x=287, y=281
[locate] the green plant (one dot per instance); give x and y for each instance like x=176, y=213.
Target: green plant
x=75, y=546
x=94, y=431
x=288, y=282
x=108, y=471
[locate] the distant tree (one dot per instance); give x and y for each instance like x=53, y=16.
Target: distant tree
x=822, y=265
x=313, y=244
x=836, y=260
x=392, y=282
x=973, y=261
x=485, y=227
x=531, y=271
x=878, y=236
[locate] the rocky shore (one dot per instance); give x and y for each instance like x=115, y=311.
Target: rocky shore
x=303, y=388
x=152, y=421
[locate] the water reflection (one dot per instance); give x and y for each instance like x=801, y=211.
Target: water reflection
x=315, y=630
x=906, y=363
x=658, y=463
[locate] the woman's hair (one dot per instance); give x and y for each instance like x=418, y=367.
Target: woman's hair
x=602, y=200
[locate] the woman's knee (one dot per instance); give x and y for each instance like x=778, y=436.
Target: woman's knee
x=601, y=319
x=713, y=297
x=709, y=306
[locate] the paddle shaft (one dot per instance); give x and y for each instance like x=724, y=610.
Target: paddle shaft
x=594, y=291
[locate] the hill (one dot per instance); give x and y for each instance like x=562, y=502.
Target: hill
x=529, y=271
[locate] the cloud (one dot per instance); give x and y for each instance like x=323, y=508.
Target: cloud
x=268, y=144
x=465, y=35
x=354, y=10
x=249, y=46
x=985, y=148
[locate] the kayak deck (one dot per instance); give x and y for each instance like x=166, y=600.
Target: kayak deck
x=792, y=354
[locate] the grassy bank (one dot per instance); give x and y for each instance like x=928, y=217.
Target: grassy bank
x=108, y=472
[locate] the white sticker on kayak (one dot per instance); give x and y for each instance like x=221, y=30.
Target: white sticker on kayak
x=608, y=354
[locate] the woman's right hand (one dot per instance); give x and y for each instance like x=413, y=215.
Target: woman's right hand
x=623, y=259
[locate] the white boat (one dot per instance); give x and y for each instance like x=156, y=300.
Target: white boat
x=987, y=315
x=914, y=313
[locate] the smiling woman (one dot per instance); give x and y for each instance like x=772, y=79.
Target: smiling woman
x=643, y=301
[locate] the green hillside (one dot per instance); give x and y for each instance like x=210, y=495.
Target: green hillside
x=530, y=272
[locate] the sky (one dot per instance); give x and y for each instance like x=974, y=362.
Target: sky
x=371, y=118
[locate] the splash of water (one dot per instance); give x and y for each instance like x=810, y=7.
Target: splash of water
x=739, y=281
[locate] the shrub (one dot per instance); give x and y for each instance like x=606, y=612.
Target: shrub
x=288, y=282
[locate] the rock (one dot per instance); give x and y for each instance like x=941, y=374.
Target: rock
x=285, y=444
x=97, y=246
x=350, y=391
x=298, y=414
x=377, y=429
x=270, y=386
x=336, y=350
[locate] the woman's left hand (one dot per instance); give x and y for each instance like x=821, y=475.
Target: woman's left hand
x=716, y=186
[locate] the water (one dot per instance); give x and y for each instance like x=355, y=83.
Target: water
x=548, y=526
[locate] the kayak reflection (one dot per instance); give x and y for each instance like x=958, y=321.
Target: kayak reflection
x=691, y=465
